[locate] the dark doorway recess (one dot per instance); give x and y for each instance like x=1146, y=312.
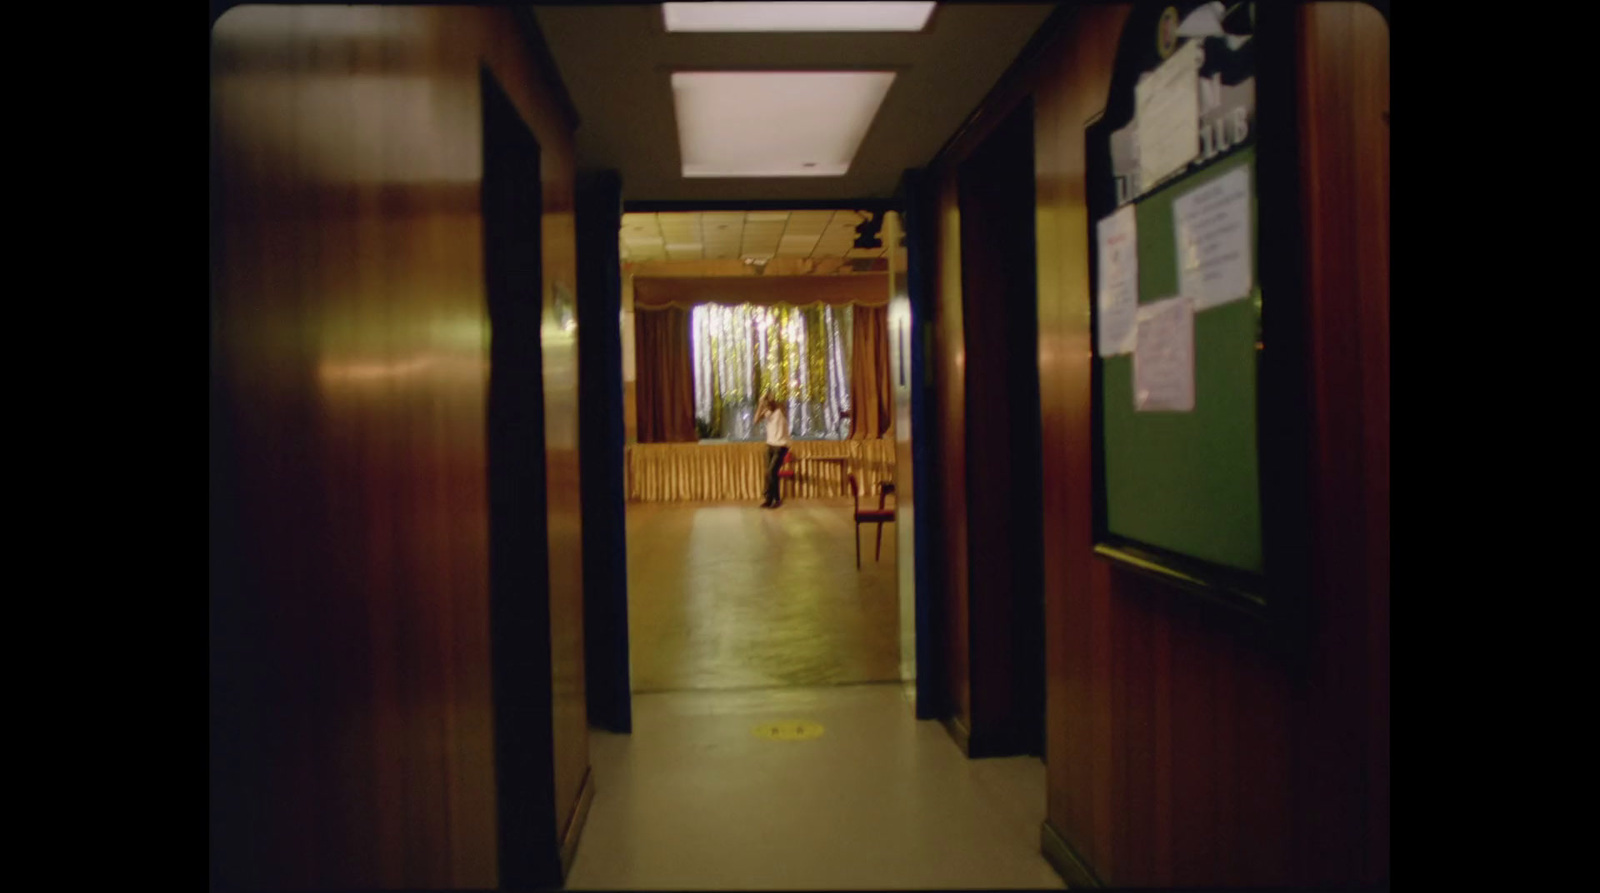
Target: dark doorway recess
x=600, y=436
x=519, y=600
x=1000, y=319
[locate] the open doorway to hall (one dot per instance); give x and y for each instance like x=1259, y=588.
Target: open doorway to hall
x=720, y=310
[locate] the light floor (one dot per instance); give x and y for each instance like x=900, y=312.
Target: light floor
x=736, y=596
x=696, y=799
x=744, y=620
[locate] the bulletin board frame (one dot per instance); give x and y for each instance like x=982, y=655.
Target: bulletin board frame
x=1211, y=497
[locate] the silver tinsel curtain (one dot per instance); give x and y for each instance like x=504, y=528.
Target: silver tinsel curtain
x=800, y=354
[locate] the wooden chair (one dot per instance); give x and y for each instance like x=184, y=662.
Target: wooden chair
x=878, y=516
x=786, y=475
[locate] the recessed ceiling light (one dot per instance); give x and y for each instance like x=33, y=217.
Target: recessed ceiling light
x=774, y=123
x=793, y=16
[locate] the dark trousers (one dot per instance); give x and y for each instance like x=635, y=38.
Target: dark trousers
x=775, y=456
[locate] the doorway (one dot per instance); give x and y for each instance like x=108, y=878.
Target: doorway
x=1003, y=467
x=723, y=593
x=519, y=593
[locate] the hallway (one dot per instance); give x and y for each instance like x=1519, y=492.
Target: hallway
x=733, y=596
x=740, y=617
x=1126, y=357
x=694, y=799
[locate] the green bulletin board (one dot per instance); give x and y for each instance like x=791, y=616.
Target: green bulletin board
x=1178, y=478
x=1188, y=481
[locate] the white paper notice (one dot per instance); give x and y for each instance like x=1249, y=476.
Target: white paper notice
x=1119, y=281
x=1163, y=358
x=1167, y=109
x=1212, y=224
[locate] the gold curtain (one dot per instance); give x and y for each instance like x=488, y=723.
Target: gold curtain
x=665, y=390
x=871, y=390
x=707, y=472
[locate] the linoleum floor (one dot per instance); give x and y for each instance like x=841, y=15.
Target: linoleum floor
x=696, y=798
x=727, y=596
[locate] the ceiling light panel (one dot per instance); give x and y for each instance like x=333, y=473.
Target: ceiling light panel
x=774, y=123
x=796, y=16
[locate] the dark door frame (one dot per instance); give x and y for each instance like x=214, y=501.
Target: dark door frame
x=607, y=683
x=998, y=250
x=519, y=566
x=918, y=209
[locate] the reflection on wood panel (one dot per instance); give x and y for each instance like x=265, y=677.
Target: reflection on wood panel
x=902, y=331
x=1080, y=730
x=353, y=741
x=1182, y=749
x=950, y=420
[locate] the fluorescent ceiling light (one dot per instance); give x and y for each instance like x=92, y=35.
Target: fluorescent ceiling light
x=774, y=123
x=789, y=16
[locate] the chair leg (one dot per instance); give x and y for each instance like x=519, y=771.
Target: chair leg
x=879, y=554
x=858, y=547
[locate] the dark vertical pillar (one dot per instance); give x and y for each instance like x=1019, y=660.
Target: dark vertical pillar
x=600, y=439
x=519, y=573
x=919, y=204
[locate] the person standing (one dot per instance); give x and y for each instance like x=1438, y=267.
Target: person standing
x=777, y=419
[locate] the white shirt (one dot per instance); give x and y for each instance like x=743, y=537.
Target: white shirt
x=778, y=428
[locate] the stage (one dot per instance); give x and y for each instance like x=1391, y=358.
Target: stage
x=736, y=472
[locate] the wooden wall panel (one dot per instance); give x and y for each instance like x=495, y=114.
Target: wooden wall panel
x=506, y=55
x=902, y=335
x=1344, y=95
x=951, y=425
x=353, y=737
x=630, y=386
x=1184, y=748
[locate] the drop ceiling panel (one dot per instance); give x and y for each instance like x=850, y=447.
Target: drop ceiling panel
x=810, y=223
x=797, y=246
x=826, y=236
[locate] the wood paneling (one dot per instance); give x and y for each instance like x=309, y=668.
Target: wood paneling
x=1344, y=126
x=950, y=427
x=352, y=704
x=1185, y=747
x=902, y=337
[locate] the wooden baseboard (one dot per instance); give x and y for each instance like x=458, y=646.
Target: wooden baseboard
x=574, y=830
x=1065, y=860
